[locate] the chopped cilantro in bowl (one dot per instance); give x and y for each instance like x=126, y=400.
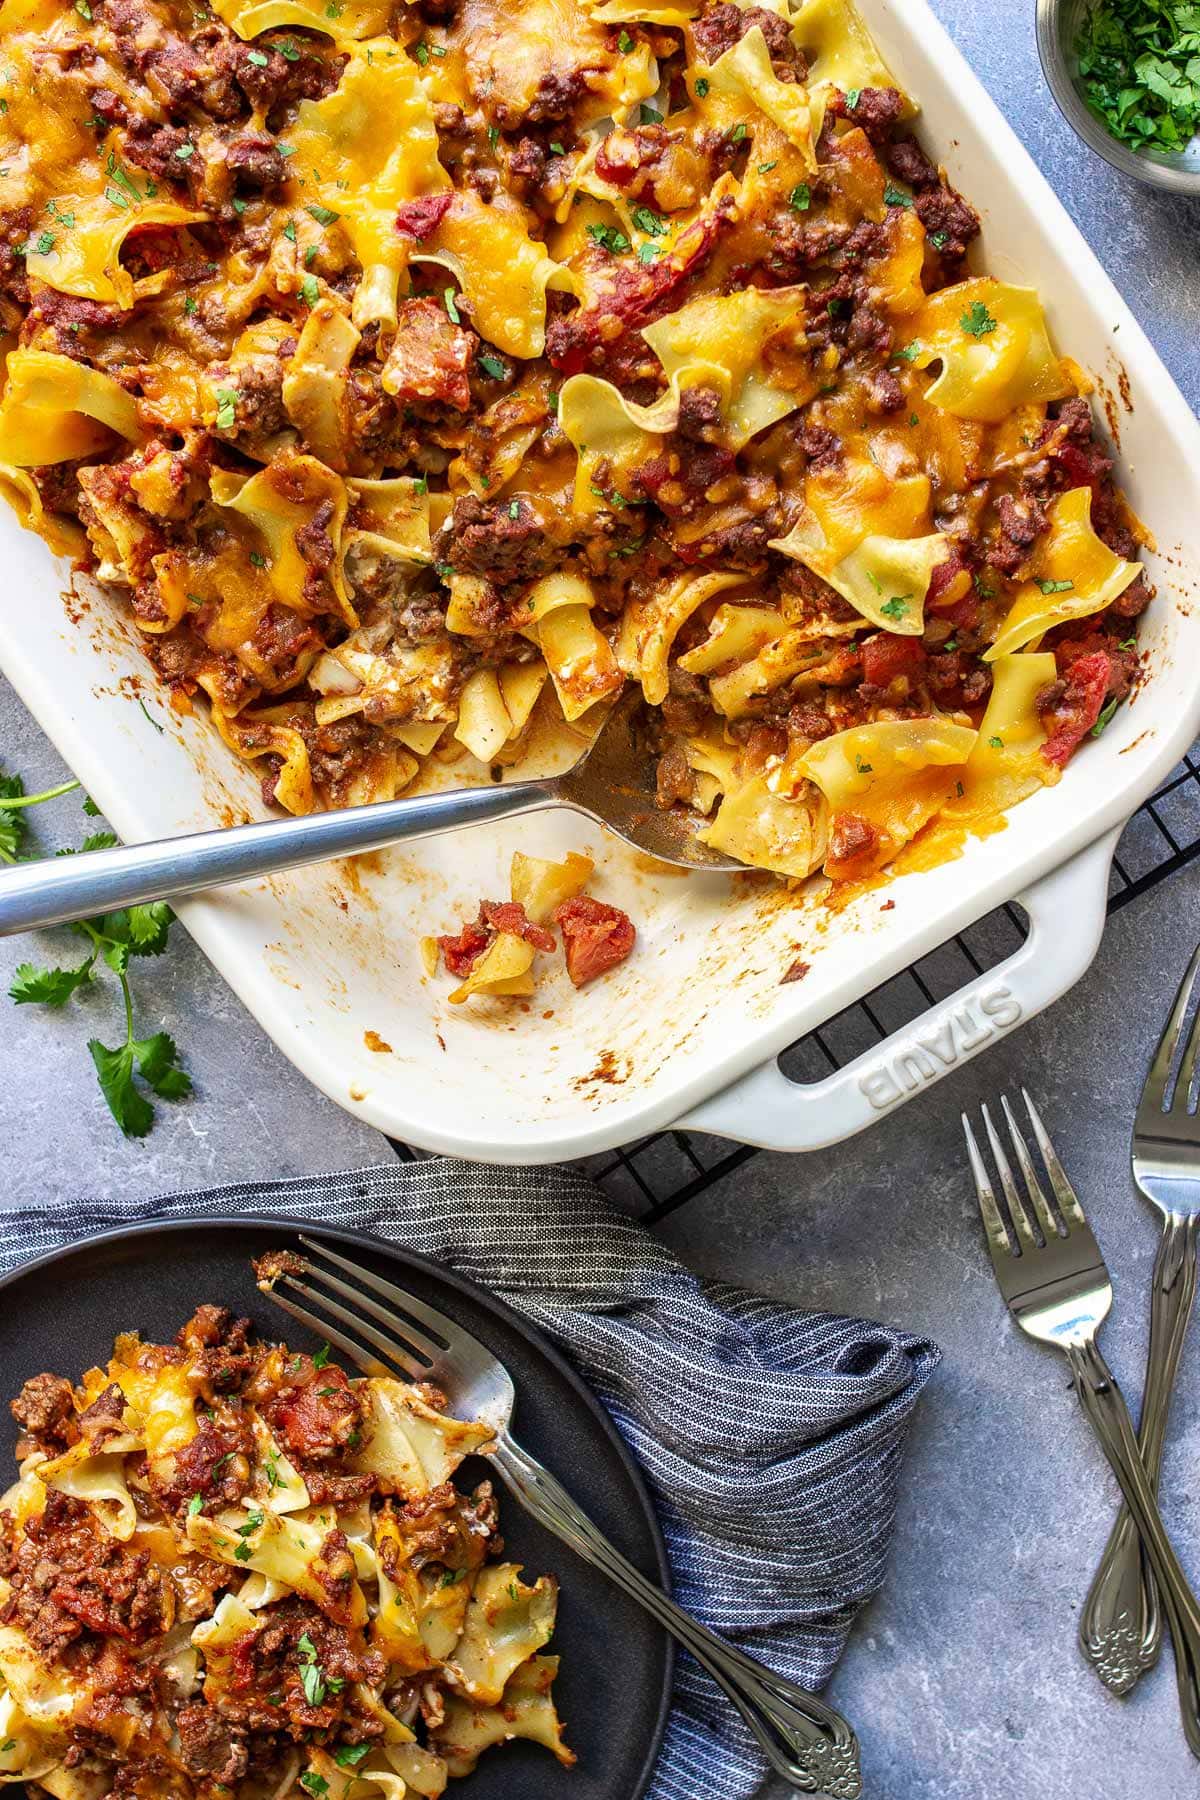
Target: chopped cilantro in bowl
x=1139, y=65
x=1126, y=77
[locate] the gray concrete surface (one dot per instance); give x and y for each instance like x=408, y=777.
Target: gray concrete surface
x=963, y=1677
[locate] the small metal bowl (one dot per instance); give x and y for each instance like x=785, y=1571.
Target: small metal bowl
x=1058, y=26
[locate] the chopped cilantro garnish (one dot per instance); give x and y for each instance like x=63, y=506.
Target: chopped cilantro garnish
x=624, y=43
x=184, y=151
x=445, y=570
x=83, y=9
x=1056, y=587
x=939, y=239
x=324, y=215
x=609, y=238
x=491, y=365
x=894, y=196
x=648, y=253
x=738, y=134
x=995, y=743
x=348, y=1756
x=421, y=484
x=800, y=198
x=310, y=1781
x=1129, y=643
x=702, y=87
x=259, y=59
x=649, y=222
x=239, y=207
x=452, y=306
x=195, y=1505
x=765, y=168
x=863, y=768
x=227, y=399
x=649, y=116
x=1106, y=713
x=853, y=96
x=977, y=321
x=558, y=149
x=421, y=52
x=310, y=257
x=286, y=149
x=514, y=509
x=45, y=243
x=289, y=231
x=910, y=352
x=289, y=50
x=493, y=135
x=322, y=1357
x=896, y=607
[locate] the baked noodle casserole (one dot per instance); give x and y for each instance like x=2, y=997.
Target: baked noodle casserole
x=414, y=369
x=229, y=1573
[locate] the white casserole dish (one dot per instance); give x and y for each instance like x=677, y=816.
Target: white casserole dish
x=687, y=1031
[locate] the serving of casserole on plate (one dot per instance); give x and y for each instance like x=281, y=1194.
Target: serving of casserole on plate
x=417, y=379
x=230, y=1569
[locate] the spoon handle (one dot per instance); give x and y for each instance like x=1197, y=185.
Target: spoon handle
x=59, y=889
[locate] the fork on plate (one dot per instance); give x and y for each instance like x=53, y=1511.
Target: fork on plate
x=806, y=1742
x=1056, y=1286
x=1120, y=1627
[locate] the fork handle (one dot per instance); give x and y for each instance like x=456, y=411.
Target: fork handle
x=1105, y=1406
x=1120, y=1629
x=806, y=1742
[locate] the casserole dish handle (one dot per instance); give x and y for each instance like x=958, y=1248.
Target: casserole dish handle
x=1066, y=912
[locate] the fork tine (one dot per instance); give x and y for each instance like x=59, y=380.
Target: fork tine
x=436, y=1324
x=403, y=1355
x=1016, y=1206
x=993, y=1220
x=1187, y=1067
x=1064, y=1193
x=370, y=1365
x=1155, y=1090
x=1033, y=1186
x=415, y=1338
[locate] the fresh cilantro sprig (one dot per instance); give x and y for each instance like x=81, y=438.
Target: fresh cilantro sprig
x=137, y=1064
x=1139, y=62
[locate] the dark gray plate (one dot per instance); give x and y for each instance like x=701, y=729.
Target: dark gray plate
x=62, y=1312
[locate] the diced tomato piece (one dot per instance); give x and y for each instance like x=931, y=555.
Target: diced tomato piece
x=887, y=657
x=509, y=915
x=596, y=936
x=463, y=951
x=634, y=293
x=1071, y=717
x=419, y=218
x=319, y=1417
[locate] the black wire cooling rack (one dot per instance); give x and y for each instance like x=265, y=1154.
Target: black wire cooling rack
x=657, y=1175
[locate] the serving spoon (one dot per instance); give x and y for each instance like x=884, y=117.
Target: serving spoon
x=612, y=783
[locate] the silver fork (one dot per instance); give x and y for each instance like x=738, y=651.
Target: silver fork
x=1055, y=1283
x=806, y=1742
x=1120, y=1627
